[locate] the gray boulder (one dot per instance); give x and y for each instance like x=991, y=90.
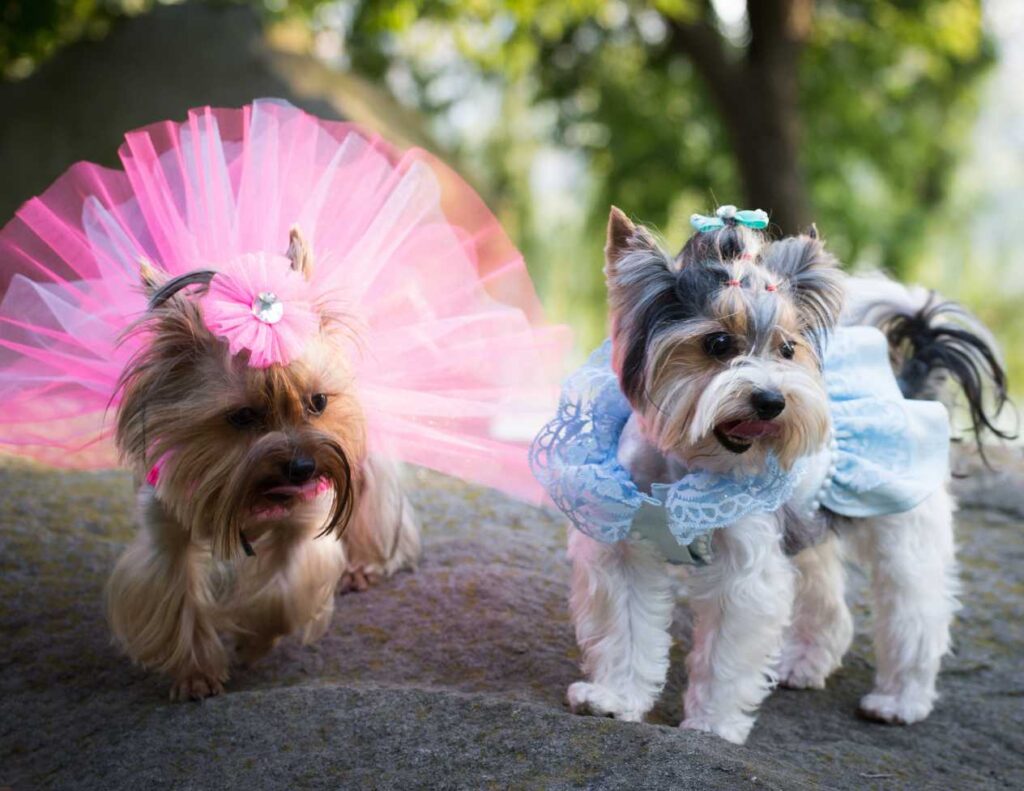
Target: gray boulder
x=454, y=676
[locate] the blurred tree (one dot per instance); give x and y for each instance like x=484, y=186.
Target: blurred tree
x=851, y=113
x=32, y=30
x=848, y=112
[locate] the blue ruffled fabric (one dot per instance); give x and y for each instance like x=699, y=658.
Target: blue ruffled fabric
x=888, y=453
x=574, y=458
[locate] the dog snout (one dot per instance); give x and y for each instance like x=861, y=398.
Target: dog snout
x=767, y=404
x=300, y=469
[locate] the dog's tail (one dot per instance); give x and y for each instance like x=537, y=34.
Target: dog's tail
x=940, y=350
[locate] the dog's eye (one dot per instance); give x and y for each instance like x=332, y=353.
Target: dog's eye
x=718, y=344
x=317, y=403
x=787, y=350
x=246, y=417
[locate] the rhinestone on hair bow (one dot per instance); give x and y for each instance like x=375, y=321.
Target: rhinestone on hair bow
x=751, y=218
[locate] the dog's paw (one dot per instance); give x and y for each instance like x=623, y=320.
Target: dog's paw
x=196, y=687
x=805, y=666
x=904, y=709
x=598, y=701
x=735, y=730
x=358, y=579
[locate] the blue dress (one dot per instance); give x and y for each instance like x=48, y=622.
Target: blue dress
x=887, y=454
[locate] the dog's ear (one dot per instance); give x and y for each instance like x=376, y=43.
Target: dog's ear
x=629, y=246
x=161, y=371
x=620, y=235
x=641, y=295
x=300, y=253
x=811, y=276
x=151, y=277
x=634, y=262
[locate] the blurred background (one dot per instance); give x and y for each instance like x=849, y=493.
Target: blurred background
x=898, y=127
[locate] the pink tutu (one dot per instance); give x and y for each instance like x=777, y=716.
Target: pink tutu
x=453, y=360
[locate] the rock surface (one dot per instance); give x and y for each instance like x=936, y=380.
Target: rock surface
x=454, y=676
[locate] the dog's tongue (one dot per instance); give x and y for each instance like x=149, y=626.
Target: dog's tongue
x=307, y=490
x=752, y=429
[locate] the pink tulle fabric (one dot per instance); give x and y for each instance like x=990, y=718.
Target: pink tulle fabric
x=452, y=358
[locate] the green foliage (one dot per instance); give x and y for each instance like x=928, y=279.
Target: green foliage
x=887, y=91
x=889, y=99
x=887, y=94
x=32, y=30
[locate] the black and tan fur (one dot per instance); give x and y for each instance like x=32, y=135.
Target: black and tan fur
x=225, y=434
x=761, y=301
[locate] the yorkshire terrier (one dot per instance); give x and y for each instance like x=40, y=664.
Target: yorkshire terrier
x=718, y=351
x=256, y=498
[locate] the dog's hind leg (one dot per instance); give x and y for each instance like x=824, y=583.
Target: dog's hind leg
x=621, y=606
x=914, y=586
x=161, y=606
x=821, y=628
x=384, y=535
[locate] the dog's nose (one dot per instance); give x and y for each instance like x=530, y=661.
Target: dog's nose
x=768, y=403
x=300, y=469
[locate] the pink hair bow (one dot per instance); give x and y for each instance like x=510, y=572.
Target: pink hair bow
x=257, y=302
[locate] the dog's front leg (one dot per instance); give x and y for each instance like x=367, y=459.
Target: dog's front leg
x=287, y=587
x=742, y=604
x=622, y=608
x=161, y=607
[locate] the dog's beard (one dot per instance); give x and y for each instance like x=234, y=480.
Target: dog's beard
x=217, y=496
x=709, y=422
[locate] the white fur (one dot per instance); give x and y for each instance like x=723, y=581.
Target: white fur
x=914, y=587
x=622, y=607
x=742, y=604
x=762, y=617
x=821, y=628
x=804, y=393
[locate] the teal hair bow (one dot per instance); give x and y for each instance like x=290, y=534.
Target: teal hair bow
x=751, y=218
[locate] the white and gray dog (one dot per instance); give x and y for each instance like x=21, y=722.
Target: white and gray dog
x=717, y=351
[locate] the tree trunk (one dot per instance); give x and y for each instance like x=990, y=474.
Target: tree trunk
x=771, y=169
x=767, y=152
x=758, y=99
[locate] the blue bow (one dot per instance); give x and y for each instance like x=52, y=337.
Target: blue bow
x=751, y=218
